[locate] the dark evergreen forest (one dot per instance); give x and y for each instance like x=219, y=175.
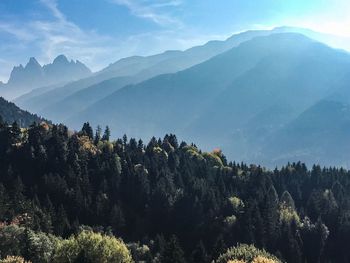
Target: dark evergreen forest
x=9, y=112
x=182, y=204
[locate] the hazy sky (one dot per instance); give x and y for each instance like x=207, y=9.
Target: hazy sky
x=99, y=32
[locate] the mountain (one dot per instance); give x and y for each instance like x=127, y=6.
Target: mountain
x=235, y=100
x=136, y=68
x=70, y=99
x=10, y=113
x=33, y=75
x=319, y=134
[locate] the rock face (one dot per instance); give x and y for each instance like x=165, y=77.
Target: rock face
x=33, y=75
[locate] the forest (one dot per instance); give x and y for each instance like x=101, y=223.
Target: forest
x=82, y=197
x=11, y=113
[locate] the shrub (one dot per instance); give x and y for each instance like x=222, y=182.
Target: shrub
x=13, y=259
x=248, y=254
x=92, y=247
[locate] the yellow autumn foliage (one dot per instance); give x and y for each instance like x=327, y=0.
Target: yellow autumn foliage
x=261, y=259
x=258, y=259
x=86, y=145
x=13, y=259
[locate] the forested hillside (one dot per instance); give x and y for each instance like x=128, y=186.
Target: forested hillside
x=10, y=113
x=167, y=200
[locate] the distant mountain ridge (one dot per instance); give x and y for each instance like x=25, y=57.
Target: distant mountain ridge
x=238, y=100
x=132, y=70
x=246, y=95
x=33, y=75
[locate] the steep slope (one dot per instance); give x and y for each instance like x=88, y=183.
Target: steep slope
x=9, y=113
x=235, y=100
x=33, y=75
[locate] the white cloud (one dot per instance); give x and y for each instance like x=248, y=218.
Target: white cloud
x=51, y=37
x=18, y=32
x=153, y=10
x=52, y=6
x=48, y=38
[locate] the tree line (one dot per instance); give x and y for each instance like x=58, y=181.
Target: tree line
x=168, y=200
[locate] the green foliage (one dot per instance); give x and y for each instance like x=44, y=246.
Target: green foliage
x=245, y=253
x=140, y=253
x=172, y=253
x=193, y=153
x=35, y=246
x=53, y=181
x=230, y=220
x=92, y=247
x=40, y=246
x=213, y=159
x=288, y=215
x=236, y=203
x=11, y=240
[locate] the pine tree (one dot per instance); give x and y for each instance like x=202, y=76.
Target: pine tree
x=270, y=214
x=219, y=248
x=117, y=220
x=97, y=135
x=172, y=253
x=87, y=130
x=15, y=132
x=107, y=134
x=199, y=255
x=62, y=224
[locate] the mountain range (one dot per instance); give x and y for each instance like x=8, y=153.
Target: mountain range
x=23, y=79
x=131, y=70
x=268, y=97
x=239, y=100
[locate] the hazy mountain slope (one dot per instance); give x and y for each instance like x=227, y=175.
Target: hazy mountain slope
x=123, y=67
x=81, y=99
x=335, y=41
x=192, y=88
x=9, y=113
x=147, y=67
x=297, y=74
x=33, y=75
x=140, y=68
x=132, y=65
x=321, y=134
x=34, y=93
x=235, y=100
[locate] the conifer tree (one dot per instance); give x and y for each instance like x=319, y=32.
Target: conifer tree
x=172, y=253
x=107, y=134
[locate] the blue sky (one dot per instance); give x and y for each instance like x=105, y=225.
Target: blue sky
x=99, y=32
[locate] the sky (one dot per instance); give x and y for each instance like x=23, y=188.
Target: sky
x=99, y=32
